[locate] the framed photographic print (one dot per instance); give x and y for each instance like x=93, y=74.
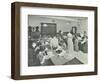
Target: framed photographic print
x=53, y=40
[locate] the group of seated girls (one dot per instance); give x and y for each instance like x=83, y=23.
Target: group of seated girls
x=57, y=43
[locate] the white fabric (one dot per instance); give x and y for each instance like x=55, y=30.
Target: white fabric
x=70, y=43
x=54, y=42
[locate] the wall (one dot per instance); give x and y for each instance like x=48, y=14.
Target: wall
x=64, y=25
x=5, y=41
x=83, y=26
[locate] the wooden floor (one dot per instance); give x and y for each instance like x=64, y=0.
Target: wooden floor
x=79, y=58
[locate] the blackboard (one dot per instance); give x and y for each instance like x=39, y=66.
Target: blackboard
x=48, y=28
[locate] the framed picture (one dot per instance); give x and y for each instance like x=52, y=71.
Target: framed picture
x=53, y=40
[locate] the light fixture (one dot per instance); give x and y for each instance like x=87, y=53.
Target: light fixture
x=45, y=25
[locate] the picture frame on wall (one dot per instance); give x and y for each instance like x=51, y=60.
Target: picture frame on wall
x=53, y=40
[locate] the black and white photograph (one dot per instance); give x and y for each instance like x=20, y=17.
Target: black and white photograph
x=57, y=40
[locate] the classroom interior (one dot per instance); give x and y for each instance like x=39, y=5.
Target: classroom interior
x=57, y=40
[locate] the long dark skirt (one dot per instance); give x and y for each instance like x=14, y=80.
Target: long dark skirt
x=83, y=47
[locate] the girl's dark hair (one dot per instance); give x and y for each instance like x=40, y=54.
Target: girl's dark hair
x=37, y=28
